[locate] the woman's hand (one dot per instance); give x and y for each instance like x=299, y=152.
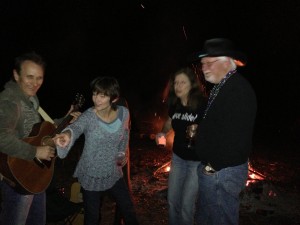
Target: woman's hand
x=161, y=139
x=62, y=140
x=75, y=114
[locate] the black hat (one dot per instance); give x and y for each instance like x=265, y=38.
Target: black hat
x=219, y=47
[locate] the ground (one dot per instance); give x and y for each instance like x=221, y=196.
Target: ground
x=271, y=198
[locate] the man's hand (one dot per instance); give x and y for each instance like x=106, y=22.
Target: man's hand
x=45, y=152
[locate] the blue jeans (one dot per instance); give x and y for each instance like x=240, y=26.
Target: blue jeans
x=218, y=202
x=182, y=191
x=92, y=201
x=18, y=209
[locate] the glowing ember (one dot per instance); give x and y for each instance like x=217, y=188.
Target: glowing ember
x=253, y=175
x=167, y=169
x=272, y=193
x=163, y=169
x=239, y=63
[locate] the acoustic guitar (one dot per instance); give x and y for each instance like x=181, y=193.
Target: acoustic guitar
x=34, y=176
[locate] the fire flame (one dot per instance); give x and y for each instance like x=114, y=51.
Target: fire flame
x=253, y=175
x=165, y=168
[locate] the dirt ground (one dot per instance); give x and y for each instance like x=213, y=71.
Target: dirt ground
x=272, y=196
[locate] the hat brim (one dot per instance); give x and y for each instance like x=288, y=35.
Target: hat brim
x=236, y=55
x=233, y=54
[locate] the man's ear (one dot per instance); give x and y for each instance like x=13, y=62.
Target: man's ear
x=16, y=75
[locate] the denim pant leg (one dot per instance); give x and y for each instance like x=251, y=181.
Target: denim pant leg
x=121, y=194
x=91, y=205
x=16, y=208
x=219, y=195
x=189, y=193
x=182, y=191
x=37, y=212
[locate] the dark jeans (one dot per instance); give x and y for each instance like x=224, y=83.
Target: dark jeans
x=18, y=209
x=126, y=171
x=219, y=195
x=120, y=193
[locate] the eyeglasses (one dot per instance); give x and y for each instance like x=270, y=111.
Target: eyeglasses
x=208, y=64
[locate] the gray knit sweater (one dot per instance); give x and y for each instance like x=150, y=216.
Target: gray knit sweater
x=96, y=169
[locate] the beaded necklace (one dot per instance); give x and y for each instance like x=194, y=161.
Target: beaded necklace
x=214, y=92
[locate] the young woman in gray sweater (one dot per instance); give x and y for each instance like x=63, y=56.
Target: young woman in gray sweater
x=106, y=130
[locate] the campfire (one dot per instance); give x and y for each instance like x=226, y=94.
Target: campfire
x=253, y=175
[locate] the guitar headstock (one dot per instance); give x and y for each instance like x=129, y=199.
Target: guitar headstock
x=78, y=101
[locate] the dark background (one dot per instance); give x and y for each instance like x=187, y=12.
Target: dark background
x=143, y=42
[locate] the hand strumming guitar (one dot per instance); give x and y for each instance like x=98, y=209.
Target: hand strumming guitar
x=45, y=152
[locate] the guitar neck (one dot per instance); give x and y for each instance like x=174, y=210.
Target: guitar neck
x=79, y=100
x=63, y=124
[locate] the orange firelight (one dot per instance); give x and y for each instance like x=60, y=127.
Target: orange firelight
x=239, y=63
x=253, y=175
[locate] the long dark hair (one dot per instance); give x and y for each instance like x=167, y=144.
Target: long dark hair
x=195, y=97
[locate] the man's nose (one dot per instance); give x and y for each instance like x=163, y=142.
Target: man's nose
x=35, y=82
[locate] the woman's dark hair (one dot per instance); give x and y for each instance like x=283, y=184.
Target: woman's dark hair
x=107, y=86
x=195, y=97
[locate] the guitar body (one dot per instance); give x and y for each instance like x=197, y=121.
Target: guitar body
x=31, y=176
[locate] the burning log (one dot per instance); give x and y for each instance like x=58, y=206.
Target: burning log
x=165, y=168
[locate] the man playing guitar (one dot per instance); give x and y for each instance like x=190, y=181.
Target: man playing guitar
x=18, y=114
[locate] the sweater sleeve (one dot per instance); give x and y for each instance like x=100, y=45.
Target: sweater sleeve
x=10, y=142
x=76, y=129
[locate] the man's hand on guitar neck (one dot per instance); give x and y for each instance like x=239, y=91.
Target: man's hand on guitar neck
x=45, y=152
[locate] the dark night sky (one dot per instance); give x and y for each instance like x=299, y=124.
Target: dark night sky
x=83, y=39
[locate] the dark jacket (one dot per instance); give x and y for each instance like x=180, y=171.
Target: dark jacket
x=224, y=137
